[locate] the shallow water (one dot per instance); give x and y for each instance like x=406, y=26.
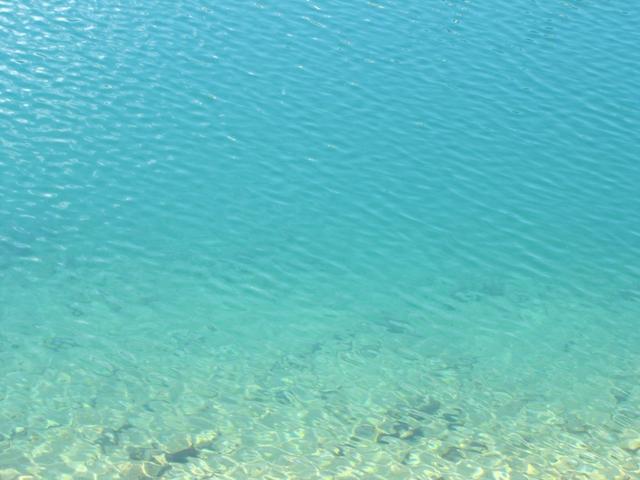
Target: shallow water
x=319, y=240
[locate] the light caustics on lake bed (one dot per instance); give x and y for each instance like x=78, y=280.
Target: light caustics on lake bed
x=334, y=240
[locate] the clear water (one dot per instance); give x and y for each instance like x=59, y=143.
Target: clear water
x=327, y=240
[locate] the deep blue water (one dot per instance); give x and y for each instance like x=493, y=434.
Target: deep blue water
x=333, y=239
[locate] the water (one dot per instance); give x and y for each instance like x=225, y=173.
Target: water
x=319, y=240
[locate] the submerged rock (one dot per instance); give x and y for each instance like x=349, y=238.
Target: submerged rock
x=633, y=445
x=431, y=407
x=452, y=454
x=140, y=453
x=182, y=456
x=57, y=344
x=205, y=440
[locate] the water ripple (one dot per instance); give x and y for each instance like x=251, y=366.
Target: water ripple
x=334, y=192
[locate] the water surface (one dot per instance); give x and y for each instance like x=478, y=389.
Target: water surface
x=319, y=240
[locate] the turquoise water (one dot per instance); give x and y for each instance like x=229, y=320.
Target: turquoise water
x=337, y=240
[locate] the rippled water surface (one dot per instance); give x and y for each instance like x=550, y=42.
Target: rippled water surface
x=337, y=240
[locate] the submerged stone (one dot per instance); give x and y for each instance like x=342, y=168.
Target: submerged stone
x=182, y=456
x=452, y=454
x=477, y=447
x=205, y=440
x=108, y=440
x=139, y=453
x=633, y=445
x=58, y=344
x=431, y=407
x=365, y=431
